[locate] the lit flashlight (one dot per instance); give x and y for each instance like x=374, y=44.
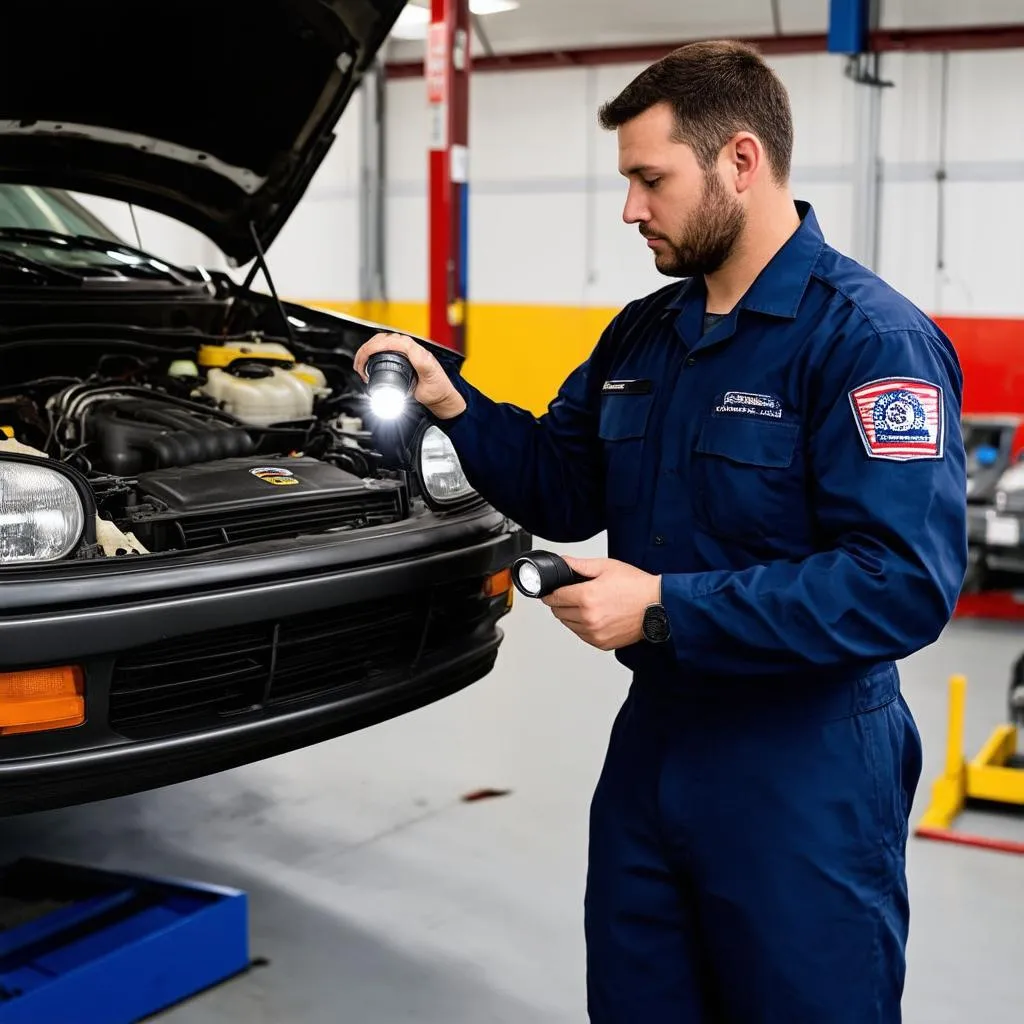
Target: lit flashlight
x=539, y=573
x=390, y=381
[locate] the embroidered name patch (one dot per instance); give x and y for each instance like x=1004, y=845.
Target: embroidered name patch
x=745, y=403
x=900, y=418
x=627, y=387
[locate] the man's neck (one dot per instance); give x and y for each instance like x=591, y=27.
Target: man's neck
x=764, y=235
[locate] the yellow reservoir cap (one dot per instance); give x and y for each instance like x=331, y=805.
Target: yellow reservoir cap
x=226, y=354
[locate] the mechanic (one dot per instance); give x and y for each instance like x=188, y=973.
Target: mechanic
x=773, y=446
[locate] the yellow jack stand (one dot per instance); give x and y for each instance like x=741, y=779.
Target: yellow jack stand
x=987, y=777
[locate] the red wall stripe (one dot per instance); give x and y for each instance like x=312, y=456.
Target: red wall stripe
x=991, y=352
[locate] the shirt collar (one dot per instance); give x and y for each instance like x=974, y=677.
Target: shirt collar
x=780, y=286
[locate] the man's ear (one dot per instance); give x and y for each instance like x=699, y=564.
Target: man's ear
x=746, y=159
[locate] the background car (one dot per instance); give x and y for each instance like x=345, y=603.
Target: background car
x=995, y=500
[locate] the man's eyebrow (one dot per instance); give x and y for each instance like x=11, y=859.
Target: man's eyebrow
x=640, y=169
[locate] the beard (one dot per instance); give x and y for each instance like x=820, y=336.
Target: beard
x=708, y=239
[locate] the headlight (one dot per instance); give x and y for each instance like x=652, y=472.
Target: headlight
x=42, y=512
x=440, y=470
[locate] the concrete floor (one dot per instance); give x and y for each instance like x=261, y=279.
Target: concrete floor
x=379, y=897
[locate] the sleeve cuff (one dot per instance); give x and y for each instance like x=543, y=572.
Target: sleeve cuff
x=455, y=424
x=680, y=593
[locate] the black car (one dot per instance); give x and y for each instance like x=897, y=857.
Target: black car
x=995, y=506
x=211, y=551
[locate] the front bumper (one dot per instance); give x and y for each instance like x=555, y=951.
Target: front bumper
x=140, y=635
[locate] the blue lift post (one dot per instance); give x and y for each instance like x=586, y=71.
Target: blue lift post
x=849, y=25
x=83, y=946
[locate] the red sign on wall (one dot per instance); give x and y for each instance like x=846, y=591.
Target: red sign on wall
x=437, y=63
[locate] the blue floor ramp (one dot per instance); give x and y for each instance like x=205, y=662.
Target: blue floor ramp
x=83, y=946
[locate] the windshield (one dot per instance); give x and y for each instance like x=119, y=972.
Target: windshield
x=47, y=236
x=49, y=209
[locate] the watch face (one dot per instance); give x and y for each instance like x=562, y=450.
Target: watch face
x=656, y=627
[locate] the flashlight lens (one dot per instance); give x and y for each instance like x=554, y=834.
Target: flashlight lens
x=387, y=402
x=529, y=578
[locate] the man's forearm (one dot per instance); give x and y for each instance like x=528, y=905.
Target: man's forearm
x=544, y=473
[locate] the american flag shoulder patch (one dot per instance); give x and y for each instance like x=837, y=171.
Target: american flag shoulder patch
x=900, y=418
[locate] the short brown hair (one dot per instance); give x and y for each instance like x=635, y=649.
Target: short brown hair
x=716, y=89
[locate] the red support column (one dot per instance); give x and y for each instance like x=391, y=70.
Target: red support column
x=447, y=75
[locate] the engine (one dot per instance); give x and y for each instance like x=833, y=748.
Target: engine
x=129, y=430
x=218, y=409
x=241, y=443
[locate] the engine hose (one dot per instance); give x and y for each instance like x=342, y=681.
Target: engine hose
x=187, y=447
x=231, y=444
x=176, y=418
x=162, y=398
x=179, y=448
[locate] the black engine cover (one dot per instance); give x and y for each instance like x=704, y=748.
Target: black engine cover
x=246, y=483
x=250, y=499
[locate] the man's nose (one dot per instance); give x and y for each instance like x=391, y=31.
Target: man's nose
x=635, y=211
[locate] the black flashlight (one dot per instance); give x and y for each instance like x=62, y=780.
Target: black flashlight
x=539, y=573
x=390, y=379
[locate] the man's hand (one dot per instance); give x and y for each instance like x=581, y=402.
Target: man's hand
x=607, y=611
x=434, y=389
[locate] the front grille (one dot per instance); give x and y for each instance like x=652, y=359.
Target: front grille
x=196, y=681
x=355, y=512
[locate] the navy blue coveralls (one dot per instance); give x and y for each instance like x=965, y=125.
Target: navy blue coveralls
x=797, y=475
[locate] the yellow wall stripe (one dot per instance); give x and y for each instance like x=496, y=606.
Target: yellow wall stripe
x=514, y=353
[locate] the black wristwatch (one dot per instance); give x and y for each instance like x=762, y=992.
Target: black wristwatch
x=656, y=628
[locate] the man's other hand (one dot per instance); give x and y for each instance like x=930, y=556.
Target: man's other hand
x=606, y=611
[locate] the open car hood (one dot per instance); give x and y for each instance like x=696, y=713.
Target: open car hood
x=214, y=112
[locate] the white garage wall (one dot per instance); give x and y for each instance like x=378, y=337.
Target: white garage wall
x=546, y=198
x=545, y=206
x=545, y=195
x=957, y=248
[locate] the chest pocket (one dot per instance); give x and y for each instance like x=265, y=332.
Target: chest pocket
x=748, y=481
x=622, y=429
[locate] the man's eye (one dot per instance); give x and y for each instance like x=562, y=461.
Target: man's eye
x=651, y=182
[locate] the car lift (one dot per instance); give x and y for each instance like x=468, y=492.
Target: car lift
x=447, y=72
x=994, y=776
x=83, y=946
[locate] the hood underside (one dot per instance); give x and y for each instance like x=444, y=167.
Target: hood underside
x=214, y=112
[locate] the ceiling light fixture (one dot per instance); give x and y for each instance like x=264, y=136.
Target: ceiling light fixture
x=413, y=21
x=492, y=6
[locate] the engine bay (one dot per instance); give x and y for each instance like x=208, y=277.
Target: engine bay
x=237, y=440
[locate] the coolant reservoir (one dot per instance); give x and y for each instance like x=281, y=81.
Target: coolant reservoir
x=269, y=352
x=260, y=394
x=313, y=376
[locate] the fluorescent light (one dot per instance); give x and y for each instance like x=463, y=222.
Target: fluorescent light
x=413, y=21
x=492, y=6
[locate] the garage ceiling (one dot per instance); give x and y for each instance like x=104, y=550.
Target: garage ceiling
x=541, y=25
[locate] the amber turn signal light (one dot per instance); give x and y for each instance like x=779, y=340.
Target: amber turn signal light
x=499, y=583
x=41, y=699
